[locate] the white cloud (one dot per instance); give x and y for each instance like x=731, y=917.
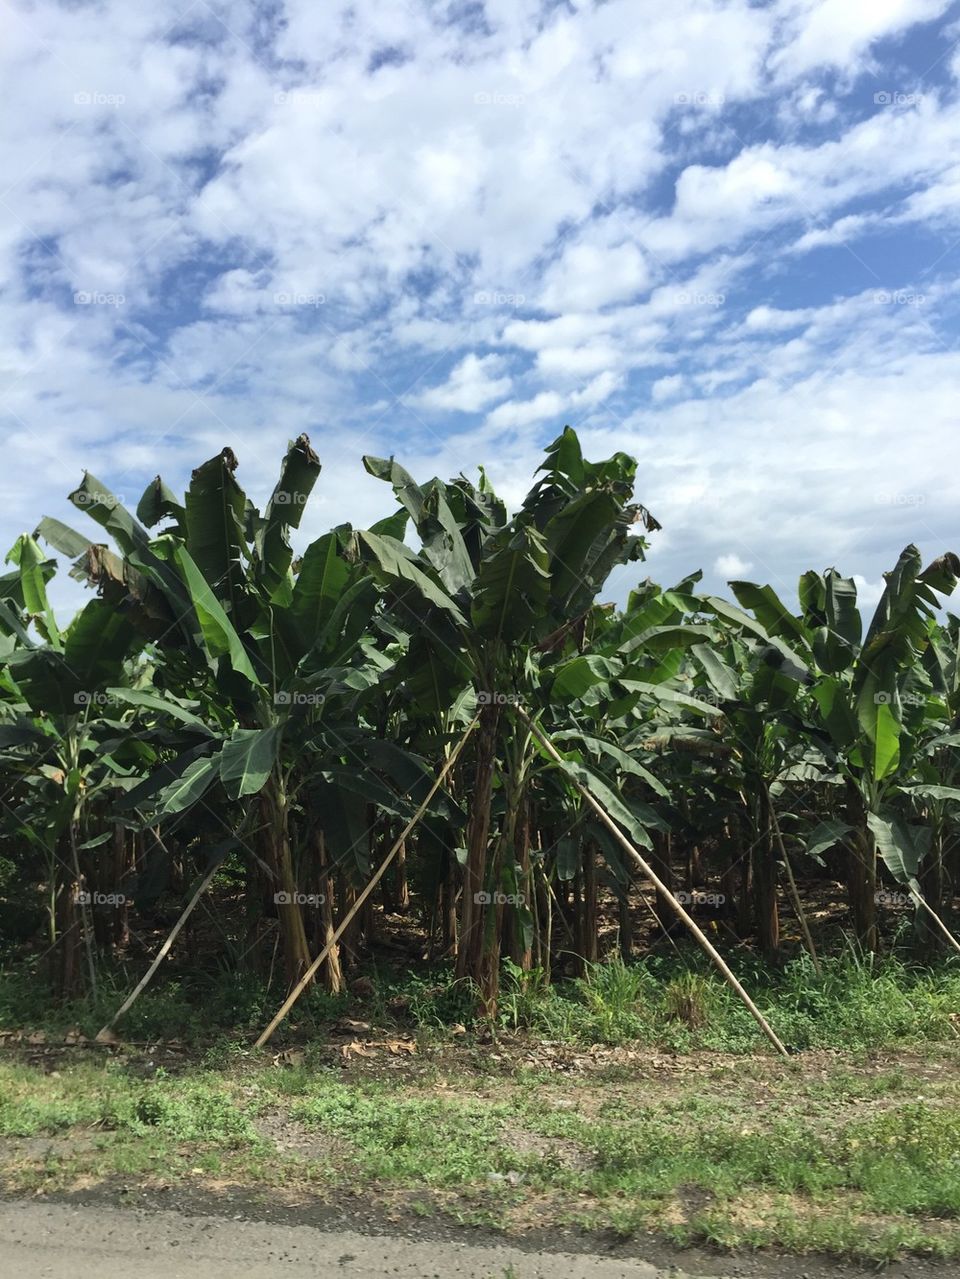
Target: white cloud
x=766, y=185
x=731, y=565
x=588, y=276
x=842, y=231
x=471, y=386
x=549, y=404
x=868, y=593
x=563, y=362
x=768, y=319
x=837, y=32
x=581, y=216
x=668, y=388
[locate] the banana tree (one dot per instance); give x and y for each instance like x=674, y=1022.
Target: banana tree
x=282, y=655
x=859, y=720
x=498, y=599
x=61, y=747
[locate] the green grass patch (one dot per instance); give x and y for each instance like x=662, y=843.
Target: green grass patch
x=676, y=1003
x=108, y=1098
x=850, y=1158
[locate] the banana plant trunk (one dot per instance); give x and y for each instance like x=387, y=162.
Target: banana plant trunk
x=276, y=853
x=521, y=947
x=331, y=969
x=861, y=871
x=661, y=859
x=764, y=863
x=67, y=953
x=625, y=938
x=473, y=908
x=110, y=879
x=401, y=881
x=936, y=886
x=589, y=939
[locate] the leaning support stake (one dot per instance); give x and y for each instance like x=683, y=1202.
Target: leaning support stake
x=921, y=901
x=161, y=953
x=642, y=866
x=362, y=897
x=794, y=892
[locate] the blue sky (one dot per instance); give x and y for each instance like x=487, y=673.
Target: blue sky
x=720, y=236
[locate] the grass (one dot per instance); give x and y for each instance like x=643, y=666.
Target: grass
x=855, y=1004
x=678, y=1003
x=836, y=1155
x=855, y=1152
x=107, y=1098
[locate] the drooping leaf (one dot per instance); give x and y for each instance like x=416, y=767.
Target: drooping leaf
x=394, y=563
x=901, y=846
x=925, y=790
x=577, y=676
x=159, y=503
x=770, y=610
x=96, y=643
x=721, y=677
x=624, y=760
x=247, y=759
x=61, y=537
x=94, y=498
x=191, y=786
x=620, y=810
x=826, y=835
x=143, y=698
x=671, y=696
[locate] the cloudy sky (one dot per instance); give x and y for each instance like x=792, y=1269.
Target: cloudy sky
x=717, y=234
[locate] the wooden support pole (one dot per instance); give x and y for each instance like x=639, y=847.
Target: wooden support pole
x=161, y=953
x=669, y=898
x=362, y=897
x=919, y=898
x=794, y=892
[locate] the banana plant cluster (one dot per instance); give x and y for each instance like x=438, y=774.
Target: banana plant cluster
x=223, y=699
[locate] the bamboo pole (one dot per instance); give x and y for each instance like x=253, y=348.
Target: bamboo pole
x=919, y=898
x=795, y=895
x=362, y=897
x=648, y=871
x=161, y=954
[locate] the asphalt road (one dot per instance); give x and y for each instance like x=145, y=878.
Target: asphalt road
x=40, y=1240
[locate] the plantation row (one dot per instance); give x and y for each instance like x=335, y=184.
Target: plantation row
x=221, y=703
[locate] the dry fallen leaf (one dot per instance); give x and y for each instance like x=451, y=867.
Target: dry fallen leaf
x=398, y=1046
x=290, y=1057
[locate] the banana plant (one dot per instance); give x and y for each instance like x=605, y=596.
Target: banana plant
x=858, y=684
x=264, y=647
x=498, y=598
x=61, y=747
